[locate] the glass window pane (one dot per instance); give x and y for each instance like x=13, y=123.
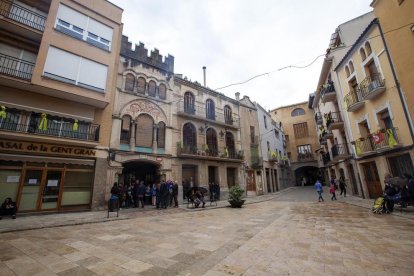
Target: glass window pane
x=77, y=188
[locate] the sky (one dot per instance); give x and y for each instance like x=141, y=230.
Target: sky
x=239, y=39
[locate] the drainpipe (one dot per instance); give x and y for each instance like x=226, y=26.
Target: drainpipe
x=403, y=102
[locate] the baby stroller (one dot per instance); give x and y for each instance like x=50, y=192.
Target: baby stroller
x=378, y=207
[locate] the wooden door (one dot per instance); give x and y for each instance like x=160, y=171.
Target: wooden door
x=372, y=179
x=251, y=183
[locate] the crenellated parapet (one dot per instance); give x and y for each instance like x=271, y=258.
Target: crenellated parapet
x=140, y=54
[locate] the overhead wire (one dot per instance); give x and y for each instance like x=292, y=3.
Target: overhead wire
x=310, y=64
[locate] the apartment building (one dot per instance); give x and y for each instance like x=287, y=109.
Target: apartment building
x=301, y=142
x=58, y=66
x=379, y=128
x=335, y=154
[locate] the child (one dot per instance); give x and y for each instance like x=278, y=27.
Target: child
x=332, y=191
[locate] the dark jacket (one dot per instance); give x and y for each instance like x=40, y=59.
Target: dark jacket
x=141, y=190
x=175, y=189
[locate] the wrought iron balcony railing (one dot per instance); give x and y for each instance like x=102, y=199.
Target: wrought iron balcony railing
x=15, y=67
x=372, y=86
x=339, y=150
x=332, y=118
x=326, y=158
x=381, y=140
x=17, y=121
x=22, y=15
x=303, y=157
x=207, y=152
x=353, y=100
x=318, y=118
x=200, y=112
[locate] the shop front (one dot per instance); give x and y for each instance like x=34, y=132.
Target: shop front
x=45, y=177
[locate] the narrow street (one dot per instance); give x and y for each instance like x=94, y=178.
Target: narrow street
x=289, y=235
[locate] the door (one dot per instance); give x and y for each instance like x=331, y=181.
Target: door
x=353, y=179
x=372, y=179
x=30, y=191
x=269, y=189
x=51, y=188
x=231, y=177
x=251, y=183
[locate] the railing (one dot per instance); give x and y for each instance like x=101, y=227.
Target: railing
x=326, y=158
x=16, y=121
x=339, y=150
x=22, y=15
x=332, y=117
x=353, y=97
x=272, y=156
x=15, y=67
x=201, y=112
x=318, y=118
x=383, y=139
x=213, y=152
x=302, y=157
x=326, y=89
x=371, y=83
x=257, y=162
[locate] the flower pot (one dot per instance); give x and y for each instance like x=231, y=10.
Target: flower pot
x=236, y=204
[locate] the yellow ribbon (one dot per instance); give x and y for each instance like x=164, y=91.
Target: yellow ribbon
x=391, y=139
x=3, y=112
x=75, y=125
x=43, y=122
x=345, y=105
x=358, y=147
x=227, y=152
x=273, y=154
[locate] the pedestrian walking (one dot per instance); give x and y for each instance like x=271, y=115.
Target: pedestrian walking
x=332, y=191
x=319, y=190
x=342, y=186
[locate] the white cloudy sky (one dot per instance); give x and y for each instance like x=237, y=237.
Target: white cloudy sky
x=238, y=39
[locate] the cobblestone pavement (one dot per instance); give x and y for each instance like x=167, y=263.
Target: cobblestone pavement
x=288, y=233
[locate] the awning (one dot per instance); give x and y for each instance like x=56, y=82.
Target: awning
x=58, y=160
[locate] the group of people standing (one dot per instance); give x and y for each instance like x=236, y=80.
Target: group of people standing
x=137, y=193
x=333, y=186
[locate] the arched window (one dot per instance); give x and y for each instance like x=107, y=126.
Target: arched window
x=347, y=71
x=362, y=53
x=144, y=133
x=297, y=112
x=161, y=135
x=129, y=82
x=141, y=85
x=228, y=116
x=351, y=67
x=162, y=91
x=189, y=138
x=152, y=88
x=210, y=110
x=189, y=103
x=125, y=130
x=230, y=149
x=211, y=141
x=368, y=48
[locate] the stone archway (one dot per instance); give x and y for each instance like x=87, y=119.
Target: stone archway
x=307, y=173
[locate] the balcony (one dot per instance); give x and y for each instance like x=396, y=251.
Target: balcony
x=328, y=93
x=305, y=157
x=340, y=152
x=334, y=121
x=373, y=86
x=208, y=153
x=22, y=15
x=31, y=123
x=354, y=100
x=318, y=118
x=199, y=112
x=381, y=141
x=257, y=162
x=16, y=68
x=272, y=156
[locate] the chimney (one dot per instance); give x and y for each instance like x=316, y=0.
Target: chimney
x=237, y=96
x=204, y=72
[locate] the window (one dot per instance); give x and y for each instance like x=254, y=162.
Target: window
x=125, y=130
x=362, y=53
x=228, y=119
x=189, y=103
x=277, y=135
x=265, y=121
x=76, y=70
x=211, y=141
x=304, y=149
x=210, y=110
x=347, y=71
x=230, y=143
x=351, y=67
x=141, y=85
x=161, y=135
x=129, y=82
x=287, y=137
x=162, y=91
x=80, y=26
x=298, y=112
x=252, y=140
x=268, y=146
x=189, y=137
x=301, y=130
x=144, y=131
x=152, y=88
x=368, y=48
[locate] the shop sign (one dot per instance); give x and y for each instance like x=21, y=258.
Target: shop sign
x=28, y=147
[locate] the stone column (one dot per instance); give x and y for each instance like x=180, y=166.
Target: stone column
x=154, y=139
x=132, y=138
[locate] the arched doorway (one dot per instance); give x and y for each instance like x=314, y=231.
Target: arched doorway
x=140, y=170
x=306, y=175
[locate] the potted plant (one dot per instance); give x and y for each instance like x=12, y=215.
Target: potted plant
x=235, y=197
